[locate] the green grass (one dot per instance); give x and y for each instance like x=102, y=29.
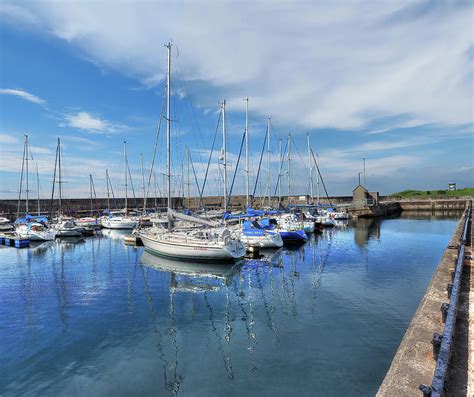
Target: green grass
x=468, y=191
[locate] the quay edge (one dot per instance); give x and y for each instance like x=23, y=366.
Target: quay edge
x=413, y=363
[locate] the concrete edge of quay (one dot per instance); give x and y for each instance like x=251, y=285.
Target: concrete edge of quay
x=413, y=363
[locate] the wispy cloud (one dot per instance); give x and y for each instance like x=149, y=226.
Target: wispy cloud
x=93, y=124
x=23, y=95
x=417, y=63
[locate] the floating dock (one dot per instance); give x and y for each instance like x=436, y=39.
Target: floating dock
x=14, y=241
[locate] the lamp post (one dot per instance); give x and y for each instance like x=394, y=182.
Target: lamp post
x=365, y=182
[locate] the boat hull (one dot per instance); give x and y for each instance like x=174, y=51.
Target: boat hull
x=173, y=250
x=297, y=236
x=124, y=224
x=263, y=241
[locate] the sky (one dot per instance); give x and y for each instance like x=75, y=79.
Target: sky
x=391, y=82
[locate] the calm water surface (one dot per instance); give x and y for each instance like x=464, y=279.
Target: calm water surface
x=96, y=317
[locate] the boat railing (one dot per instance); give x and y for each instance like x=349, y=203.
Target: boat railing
x=443, y=344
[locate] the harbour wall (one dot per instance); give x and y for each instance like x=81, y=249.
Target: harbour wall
x=414, y=362
x=82, y=206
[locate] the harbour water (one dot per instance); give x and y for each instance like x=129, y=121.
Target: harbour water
x=97, y=317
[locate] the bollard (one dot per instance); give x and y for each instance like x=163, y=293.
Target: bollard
x=444, y=311
x=436, y=342
x=426, y=390
x=450, y=289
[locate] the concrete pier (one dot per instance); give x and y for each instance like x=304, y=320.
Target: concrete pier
x=414, y=363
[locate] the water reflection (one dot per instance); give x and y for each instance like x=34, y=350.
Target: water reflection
x=365, y=229
x=278, y=321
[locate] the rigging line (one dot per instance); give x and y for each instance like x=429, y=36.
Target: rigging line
x=188, y=98
x=194, y=171
x=54, y=182
x=157, y=185
x=21, y=181
x=155, y=146
x=322, y=180
x=113, y=194
x=299, y=154
x=131, y=184
x=259, y=165
x=236, y=169
x=209, y=162
x=282, y=160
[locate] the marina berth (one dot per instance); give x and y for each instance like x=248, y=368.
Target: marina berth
x=35, y=231
x=5, y=225
x=119, y=222
x=67, y=228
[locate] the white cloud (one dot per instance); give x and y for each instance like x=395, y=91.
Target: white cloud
x=317, y=65
x=23, y=95
x=92, y=124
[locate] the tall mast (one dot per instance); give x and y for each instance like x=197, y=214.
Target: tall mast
x=247, y=168
x=26, y=159
x=317, y=185
x=279, y=171
x=168, y=124
x=289, y=168
x=188, y=182
x=90, y=188
x=108, y=190
x=269, y=163
x=143, y=181
x=38, y=188
x=126, y=178
x=310, y=170
x=21, y=179
x=224, y=139
x=60, y=180
x=54, y=181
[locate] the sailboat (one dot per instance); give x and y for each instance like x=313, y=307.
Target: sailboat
x=64, y=226
x=28, y=227
x=207, y=243
x=117, y=220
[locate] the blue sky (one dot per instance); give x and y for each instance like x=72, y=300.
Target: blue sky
x=388, y=81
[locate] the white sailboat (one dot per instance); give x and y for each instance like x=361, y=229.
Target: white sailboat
x=117, y=220
x=209, y=243
x=31, y=228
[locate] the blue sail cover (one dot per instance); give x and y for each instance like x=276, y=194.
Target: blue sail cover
x=28, y=218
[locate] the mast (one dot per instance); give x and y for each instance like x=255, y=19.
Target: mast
x=247, y=168
x=27, y=155
x=21, y=179
x=126, y=178
x=317, y=185
x=168, y=125
x=37, y=188
x=289, y=168
x=269, y=163
x=54, y=181
x=60, y=180
x=279, y=171
x=108, y=190
x=90, y=186
x=188, y=182
x=224, y=139
x=310, y=170
x=143, y=182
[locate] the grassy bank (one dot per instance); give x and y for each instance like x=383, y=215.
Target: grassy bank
x=469, y=191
